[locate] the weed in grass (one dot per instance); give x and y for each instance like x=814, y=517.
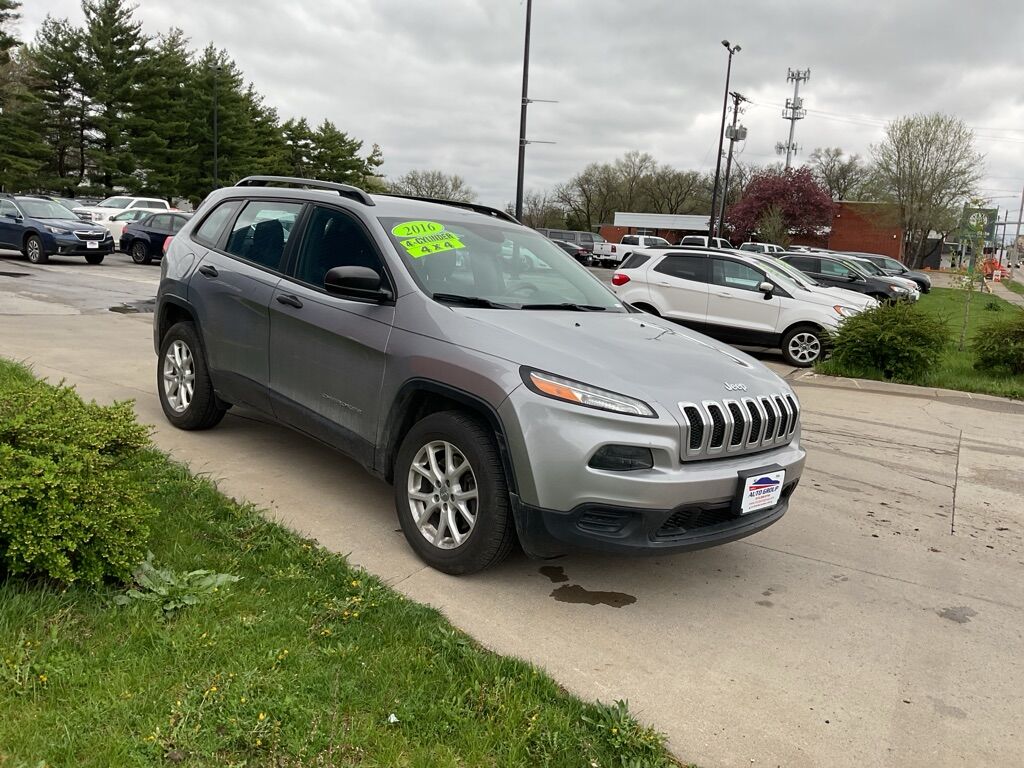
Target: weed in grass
x=170, y=589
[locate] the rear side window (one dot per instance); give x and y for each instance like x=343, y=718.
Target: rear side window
x=684, y=267
x=177, y=222
x=805, y=263
x=635, y=260
x=630, y=240
x=261, y=230
x=208, y=233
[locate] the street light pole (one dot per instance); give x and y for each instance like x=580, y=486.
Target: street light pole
x=522, y=114
x=732, y=49
x=216, y=175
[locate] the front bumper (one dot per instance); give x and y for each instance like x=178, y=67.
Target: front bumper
x=561, y=501
x=70, y=245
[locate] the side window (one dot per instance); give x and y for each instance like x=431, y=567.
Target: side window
x=735, y=274
x=159, y=223
x=693, y=240
x=805, y=264
x=334, y=239
x=7, y=209
x=261, y=230
x=177, y=222
x=209, y=232
x=586, y=237
x=630, y=240
x=834, y=268
x=684, y=267
x=635, y=260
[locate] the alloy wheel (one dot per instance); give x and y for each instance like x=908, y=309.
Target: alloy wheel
x=443, y=494
x=805, y=347
x=33, y=249
x=179, y=375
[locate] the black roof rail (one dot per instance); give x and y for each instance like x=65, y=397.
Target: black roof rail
x=345, y=190
x=484, y=209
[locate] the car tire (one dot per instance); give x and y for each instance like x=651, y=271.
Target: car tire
x=34, y=251
x=182, y=361
x=140, y=253
x=94, y=258
x=803, y=345
x=466, y=463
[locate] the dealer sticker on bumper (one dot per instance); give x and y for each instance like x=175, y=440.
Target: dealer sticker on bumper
x=761, y=490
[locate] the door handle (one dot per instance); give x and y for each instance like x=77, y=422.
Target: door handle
x=726, y=295
x=665, y=285
x=209, y=270
x=291, y=301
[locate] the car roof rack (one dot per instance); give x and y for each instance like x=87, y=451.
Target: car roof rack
x=345, y=190
x=484, y=209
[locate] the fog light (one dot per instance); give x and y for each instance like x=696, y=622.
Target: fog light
x=622, y=458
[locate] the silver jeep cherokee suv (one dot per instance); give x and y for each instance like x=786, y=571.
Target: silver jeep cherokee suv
x=498, y=385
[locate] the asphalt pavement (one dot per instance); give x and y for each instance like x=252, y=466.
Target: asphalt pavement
x=878, y=624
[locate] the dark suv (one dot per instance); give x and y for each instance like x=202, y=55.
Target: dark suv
x=502, y=404
x=41, y=228
x=834, y=271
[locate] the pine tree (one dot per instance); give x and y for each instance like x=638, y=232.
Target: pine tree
x=8, y=15
x=55, y=58
x=22, y=151
x=336, y=156
x=160, y=130
x=116, y=52
x=300, y=148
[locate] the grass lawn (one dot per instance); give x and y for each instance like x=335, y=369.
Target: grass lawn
x=1014, y=285
x=956, y=369
x=305, y=661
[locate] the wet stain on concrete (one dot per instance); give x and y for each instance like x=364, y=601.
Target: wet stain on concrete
x=135, y=307
x=943, y=708
x=14, y=274
x=554, y=572
x=764, y=603
x=574, y=593
x=961, y=614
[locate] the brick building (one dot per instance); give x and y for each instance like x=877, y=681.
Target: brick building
x=672, y=227
x=867, y=227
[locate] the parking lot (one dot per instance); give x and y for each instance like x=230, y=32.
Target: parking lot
x=879, y=623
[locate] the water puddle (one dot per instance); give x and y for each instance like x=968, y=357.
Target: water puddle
x=142, y=306
x=574, y=593
x=14, y=274
x=554, y=572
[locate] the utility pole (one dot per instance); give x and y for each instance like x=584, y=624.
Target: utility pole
x=522, y=114
x=712, y=221
x=1016, y=237
x=734, y=133
x=794, y=111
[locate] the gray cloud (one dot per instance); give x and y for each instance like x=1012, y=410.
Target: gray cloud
x=437, y=84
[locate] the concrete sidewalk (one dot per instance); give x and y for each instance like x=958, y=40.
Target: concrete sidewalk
x=878, y=624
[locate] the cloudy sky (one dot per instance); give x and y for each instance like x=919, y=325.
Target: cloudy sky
x=437, y=83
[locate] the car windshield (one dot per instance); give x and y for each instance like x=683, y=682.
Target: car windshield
x=894, y=265
x=657, y=241
x=115, y=202
x=498, y=264
x=45, y=209
x=870, y=267
x=855, y=267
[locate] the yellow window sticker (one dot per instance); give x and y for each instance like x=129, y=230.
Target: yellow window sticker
x=422, y=238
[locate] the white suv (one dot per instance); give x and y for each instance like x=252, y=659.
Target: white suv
x=112, y=206
x=733, y=298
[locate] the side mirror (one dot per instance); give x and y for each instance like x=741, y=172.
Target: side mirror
x=766, y=288
x=359, y=283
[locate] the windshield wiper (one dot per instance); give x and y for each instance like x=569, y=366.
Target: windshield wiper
x=469, y=301
x=567, y=305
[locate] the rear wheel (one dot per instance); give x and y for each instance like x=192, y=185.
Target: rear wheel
x=803, y=345
x=34, y=250
x=140, y=253
x=94, y=258
x=183, y=381
x=451, y=494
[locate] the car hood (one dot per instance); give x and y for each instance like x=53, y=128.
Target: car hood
x=72, y=225
x=639, y=355
x=849, y=298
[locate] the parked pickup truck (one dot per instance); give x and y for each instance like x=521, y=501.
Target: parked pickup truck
x=612, y=254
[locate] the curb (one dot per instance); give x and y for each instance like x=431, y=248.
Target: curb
x=812, y=379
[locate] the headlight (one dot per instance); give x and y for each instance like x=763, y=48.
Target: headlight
x=570, y=391
x=55, y=230
x=845, y=311
x=899, y=289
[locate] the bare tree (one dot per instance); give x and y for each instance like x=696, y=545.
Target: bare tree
x=436, y=184
x=590, y=197
x=632, y=169
x=539, y=210
x=843, y=176
x=928, y=166
x=668, y=190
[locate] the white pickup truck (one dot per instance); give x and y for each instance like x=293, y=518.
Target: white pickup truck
x=612, y=254
x=109, y=208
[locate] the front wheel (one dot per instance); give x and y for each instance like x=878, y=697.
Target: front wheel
x=140, y=253
x=451, y=494
x=34, y=250
x=94, y=258
x=803, y=346
x=183, y=382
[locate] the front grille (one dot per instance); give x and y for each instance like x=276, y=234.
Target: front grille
x=603, y=521
x=684, y=520
x=85, y=235
x=749, y=425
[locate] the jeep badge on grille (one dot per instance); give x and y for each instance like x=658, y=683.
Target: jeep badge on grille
x=735, y=387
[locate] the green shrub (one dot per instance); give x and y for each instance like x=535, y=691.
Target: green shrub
x=899, y=341
x=68, y=508
x=999, y=345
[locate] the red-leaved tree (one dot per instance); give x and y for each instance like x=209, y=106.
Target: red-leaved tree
x=805, y=205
